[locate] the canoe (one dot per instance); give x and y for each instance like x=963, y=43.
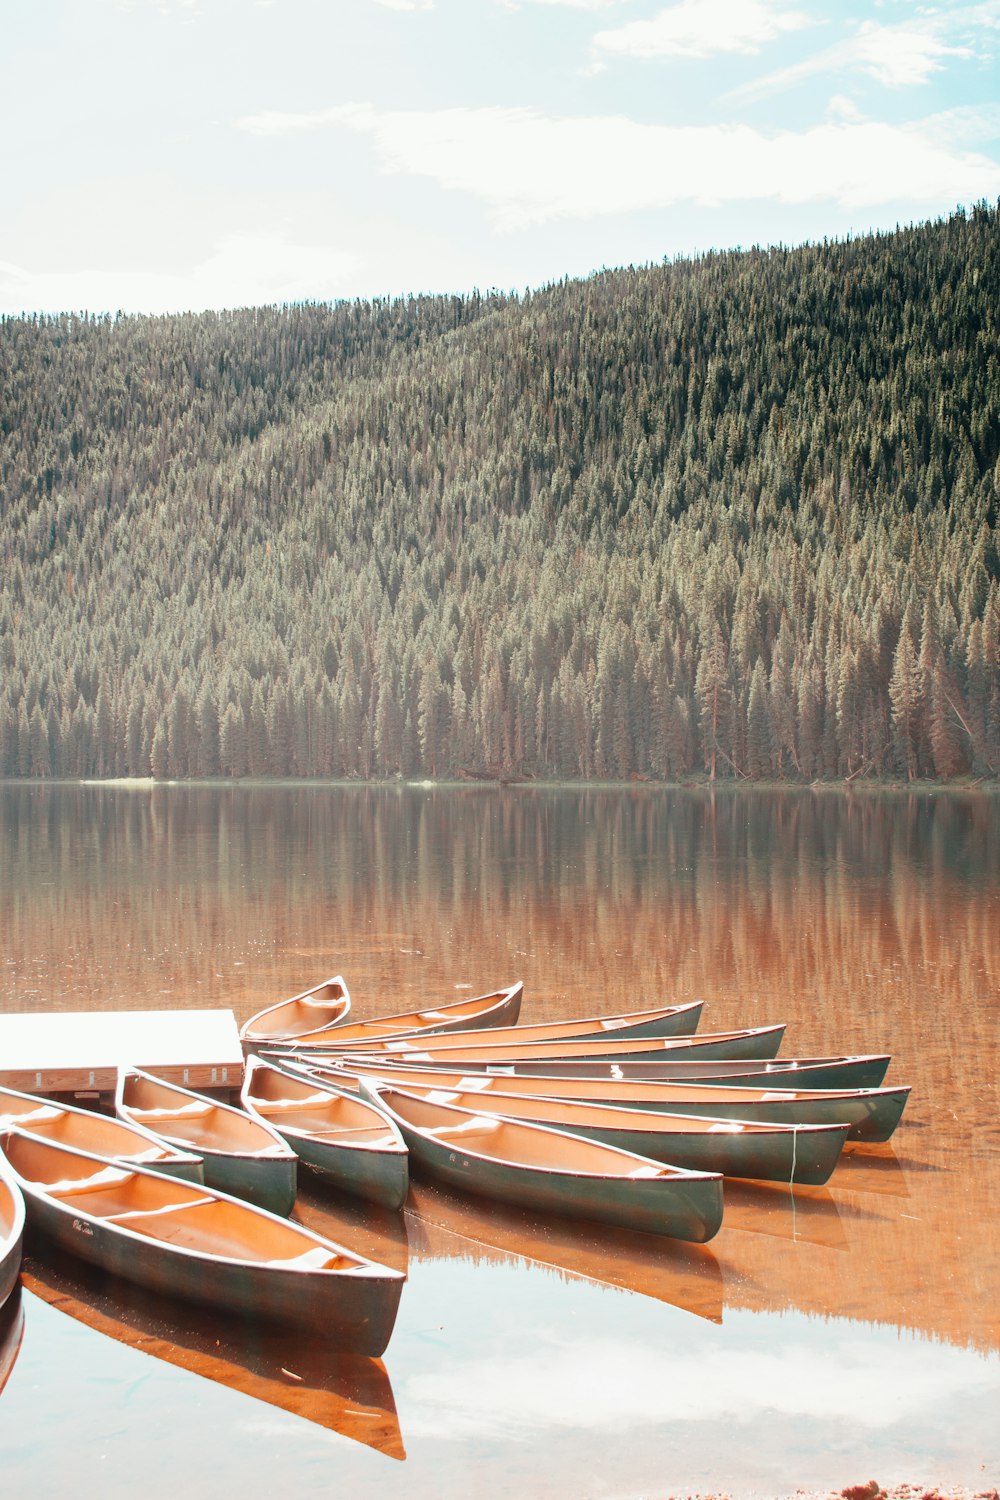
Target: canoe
x=871, y=1114
x=186, y=1240
x=86, y=1130
x=240, y=1155
x=499, y=1008
x=346, y=1139
x=753, y=1043
x=736, y=1148
x=324, y=1005
x=537, y=1167
x=667, y=1021
x=11, y=1231
x=865, y=1071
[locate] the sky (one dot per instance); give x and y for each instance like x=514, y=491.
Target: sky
x=179, y=155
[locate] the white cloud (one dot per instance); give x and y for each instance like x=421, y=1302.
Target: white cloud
x=855, y=1379
x=900, y=56
x=580, y=4
x=530, y=168
x=406, y=4
x=700, y=28
x=243, y=271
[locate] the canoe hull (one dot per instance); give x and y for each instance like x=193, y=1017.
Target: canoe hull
x=266, y=1182
x=326, y=1004
x=688, y=1211
x=379, y=1176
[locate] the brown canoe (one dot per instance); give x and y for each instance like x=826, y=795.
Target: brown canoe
x=240, y=1155
x=313, y=1010
x=87, y=1130
x=498, y=1008
x=187, y=1240
x=666, y=1021
x=532, y=1165
x=344, y=1138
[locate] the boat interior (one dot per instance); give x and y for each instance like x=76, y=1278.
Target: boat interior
x=8, y=1211
x=294, y=1104
x=195, y=1122
x=324, y=1005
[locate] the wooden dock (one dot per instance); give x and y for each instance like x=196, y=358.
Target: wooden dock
x=76, y=1052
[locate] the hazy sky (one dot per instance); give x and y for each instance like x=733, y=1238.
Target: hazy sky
x=163, y=155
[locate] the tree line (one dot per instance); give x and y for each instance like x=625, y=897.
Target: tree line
x=734, y=516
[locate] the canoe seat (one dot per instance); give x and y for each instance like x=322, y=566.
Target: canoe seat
x=152, y=1213
x=362, y=1135
x=264, y=1105
x=70, y=1186
x=480, y=1125
x=318, y=1258
x=193, y=1111
x=43, y=1112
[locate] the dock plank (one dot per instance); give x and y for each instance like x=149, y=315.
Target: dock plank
x=79, y=1051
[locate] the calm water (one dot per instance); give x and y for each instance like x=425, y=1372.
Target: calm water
x=825, y=1337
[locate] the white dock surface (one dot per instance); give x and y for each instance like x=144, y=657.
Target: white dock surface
x=76, y=1051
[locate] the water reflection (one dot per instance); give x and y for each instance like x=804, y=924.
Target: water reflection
x=11, y=1335
x=808, y=1214
x=865, y=922
x=300, y=1373
x=444, y=1226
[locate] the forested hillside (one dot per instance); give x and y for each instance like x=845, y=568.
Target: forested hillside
x=734, y=516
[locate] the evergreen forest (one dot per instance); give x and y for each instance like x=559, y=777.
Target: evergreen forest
x=728, y=517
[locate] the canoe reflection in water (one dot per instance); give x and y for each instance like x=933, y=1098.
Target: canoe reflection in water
x=11, y=1334
x=447, y=1225
x=296, y=1370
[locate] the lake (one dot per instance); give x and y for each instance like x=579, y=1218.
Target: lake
x=826, y=1336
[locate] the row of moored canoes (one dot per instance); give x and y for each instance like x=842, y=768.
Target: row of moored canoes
x=632, y=1120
